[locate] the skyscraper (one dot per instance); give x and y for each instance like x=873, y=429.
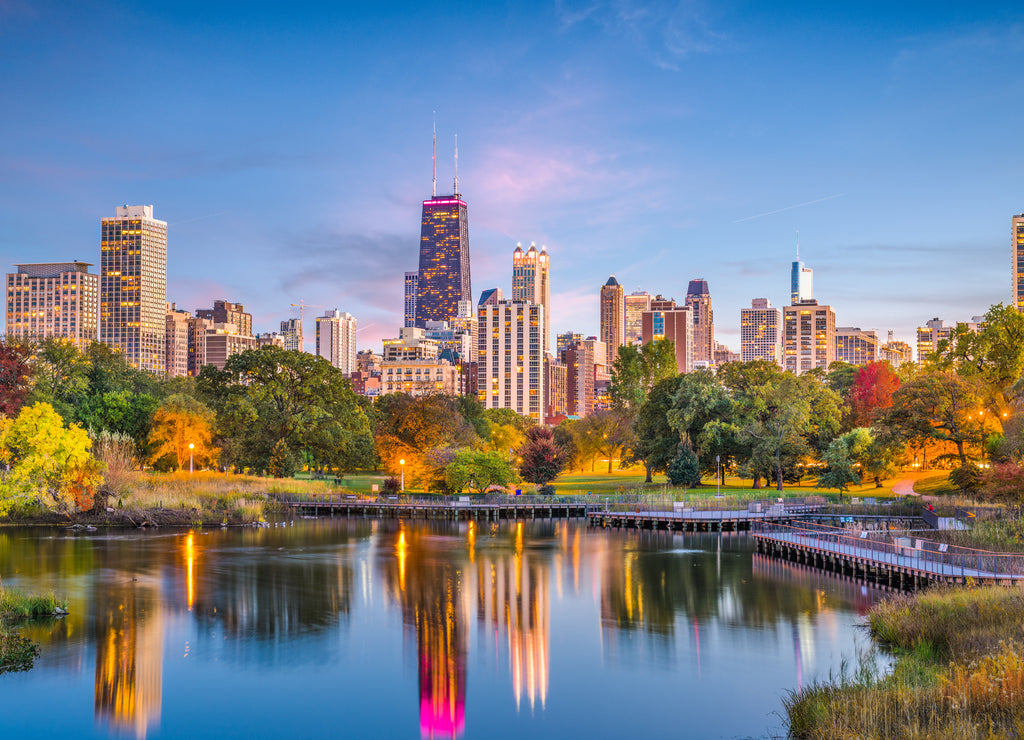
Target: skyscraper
x=444, y=255
x=635, y=304
x=336, y=339
x=412, y=280
x=613, y=315
x=133, y=286
x=801, y=281
x=761, y=332
x=809, y=338
x=1017, y=266
x=665, y=320
x=530, y=282
x=291, y=333
x=698, y=300
x=511, y=363
x=856, y=346
x=53, y=299
x=176, y=343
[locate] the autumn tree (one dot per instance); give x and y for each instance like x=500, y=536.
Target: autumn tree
x=50, y=464
x=179, y=422
x=872, y=389
x=15, y=375
x=539, y=459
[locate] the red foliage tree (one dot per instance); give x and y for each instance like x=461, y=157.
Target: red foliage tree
x=873, y=386
x=15, y=375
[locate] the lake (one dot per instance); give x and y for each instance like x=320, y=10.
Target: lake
x=384, y=629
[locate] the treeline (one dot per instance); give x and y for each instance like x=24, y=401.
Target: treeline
x=958, y=409
x=70, y=417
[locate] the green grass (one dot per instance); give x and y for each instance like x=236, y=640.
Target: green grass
x=18, y=653
x=936, y=485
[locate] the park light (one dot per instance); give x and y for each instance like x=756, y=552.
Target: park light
x=191, y=448
x=402, y=463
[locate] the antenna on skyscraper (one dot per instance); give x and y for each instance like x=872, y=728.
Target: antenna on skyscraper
x=433, y=156
x=456, y=164
x=798, y=245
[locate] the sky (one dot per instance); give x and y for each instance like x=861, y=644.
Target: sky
x=288, y=146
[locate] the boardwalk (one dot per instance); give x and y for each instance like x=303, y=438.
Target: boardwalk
x=904, y=562
x=443, y=507
x=694, y=519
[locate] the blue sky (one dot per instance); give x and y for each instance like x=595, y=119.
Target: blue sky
x=288, y=148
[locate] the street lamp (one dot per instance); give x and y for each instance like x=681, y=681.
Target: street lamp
x=402, y=463
x=191, y=447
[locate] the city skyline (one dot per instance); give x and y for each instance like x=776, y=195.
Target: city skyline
x=683, y=167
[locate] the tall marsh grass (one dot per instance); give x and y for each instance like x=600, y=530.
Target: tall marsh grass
x=959, y=673
x=209, y=495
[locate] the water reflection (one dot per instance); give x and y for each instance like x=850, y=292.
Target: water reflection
x=470, y=597
x=129, y=638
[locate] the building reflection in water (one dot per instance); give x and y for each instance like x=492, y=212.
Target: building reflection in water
x=129, y=633
x=437, y=593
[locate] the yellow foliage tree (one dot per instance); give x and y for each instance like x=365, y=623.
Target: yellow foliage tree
x=179, y=422
x=49, y=463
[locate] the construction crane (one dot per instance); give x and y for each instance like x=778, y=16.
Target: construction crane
x=302, y=306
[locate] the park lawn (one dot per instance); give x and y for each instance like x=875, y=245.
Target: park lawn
x=362, y=482
x=936, y=485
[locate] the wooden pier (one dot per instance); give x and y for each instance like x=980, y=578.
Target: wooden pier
x=699, y=520
x=453, y=508
x=905, y=563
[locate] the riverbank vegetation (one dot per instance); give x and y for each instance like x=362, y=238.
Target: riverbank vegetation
x=81, y=431
x=958, y=672
x=17, y=652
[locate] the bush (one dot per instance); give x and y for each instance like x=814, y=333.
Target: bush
x=684, y=470
x=392, y=485
x=546, y=490
x=967, y=478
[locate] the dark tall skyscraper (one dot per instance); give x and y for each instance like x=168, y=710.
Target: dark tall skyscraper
x=444, y=260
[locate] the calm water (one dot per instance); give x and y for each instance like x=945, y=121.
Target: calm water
x=375, y=629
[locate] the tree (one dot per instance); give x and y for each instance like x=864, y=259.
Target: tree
x=267, y=395
x=938, y=406
x=540, y=461
x=655, y=442
x=15, y=375
x=478, y=471
x=408, y=428
x=49, y=463
x=635, y=370
x=839, y=472
x=701, y=414
x=181, y=421
x=684, y=470
x=872, y=389
x=604, y=433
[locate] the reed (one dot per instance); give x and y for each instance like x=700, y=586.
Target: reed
x=959, y=673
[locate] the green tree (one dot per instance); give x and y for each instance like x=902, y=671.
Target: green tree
x=478, y=471
x=604, y=434
x=49, y=462
x=684, y=470
x=655, y=441
x=635, y=370
x=267, y=395
x=701, y=414
x=839, y=471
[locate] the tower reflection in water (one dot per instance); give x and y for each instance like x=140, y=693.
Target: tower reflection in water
x=438, y=592
x=129, y=630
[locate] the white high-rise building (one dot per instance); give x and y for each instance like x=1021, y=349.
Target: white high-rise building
x=761, y=332
x=53, y=299
x=510, y=356
x=133, y=286
x=336, y=339
x=531, y=282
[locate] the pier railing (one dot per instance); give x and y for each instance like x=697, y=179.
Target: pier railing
x=903, y=551
x=438, y=500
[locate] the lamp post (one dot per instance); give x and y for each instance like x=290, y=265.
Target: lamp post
x=191, y=448
x=402, y=463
